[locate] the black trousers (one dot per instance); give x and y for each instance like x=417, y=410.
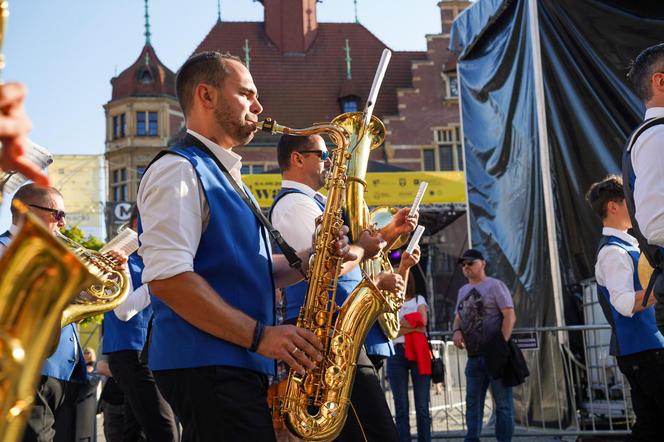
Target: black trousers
x=645, y=373
x=53, y=414
x=144, y=403
x=369, y=417
x=218, y=403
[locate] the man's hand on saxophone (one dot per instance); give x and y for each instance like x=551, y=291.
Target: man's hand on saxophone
x=402, y=222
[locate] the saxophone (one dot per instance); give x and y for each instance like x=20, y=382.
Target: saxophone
x=364, y=139
x=315, y=405
x=40, y=276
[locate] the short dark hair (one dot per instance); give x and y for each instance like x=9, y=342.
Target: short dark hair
x=647, y=63
x=33, y=194
x=289, y=144
x=600, y=193
x=205, y=67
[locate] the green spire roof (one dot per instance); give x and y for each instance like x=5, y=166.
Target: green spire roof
x=147, y=25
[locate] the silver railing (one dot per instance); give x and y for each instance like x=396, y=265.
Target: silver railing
x=573, y=389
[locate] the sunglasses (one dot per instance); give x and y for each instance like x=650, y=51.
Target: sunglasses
x=59, y=215
x=467, y=263
x=324, y=155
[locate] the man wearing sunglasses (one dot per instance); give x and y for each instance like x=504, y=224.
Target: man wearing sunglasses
x=484, y=310
x=304, y=164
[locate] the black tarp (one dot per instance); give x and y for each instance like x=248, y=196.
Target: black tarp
x=586, y=47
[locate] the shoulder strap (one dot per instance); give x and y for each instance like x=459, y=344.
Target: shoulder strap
x=294, y=261
x=652, y=253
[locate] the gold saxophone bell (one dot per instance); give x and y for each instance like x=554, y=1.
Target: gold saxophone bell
x=40, y=276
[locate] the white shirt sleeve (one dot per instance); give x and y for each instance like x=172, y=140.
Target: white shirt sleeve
x=294, y=216
x=135, y=302
x=614, y=270
x=648, y=163
x=174, y=213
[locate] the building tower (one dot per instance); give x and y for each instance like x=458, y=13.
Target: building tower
x=141, y=117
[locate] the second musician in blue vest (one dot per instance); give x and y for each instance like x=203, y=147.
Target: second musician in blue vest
x=304, y=162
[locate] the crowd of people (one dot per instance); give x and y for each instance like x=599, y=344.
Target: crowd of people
x=195, y=346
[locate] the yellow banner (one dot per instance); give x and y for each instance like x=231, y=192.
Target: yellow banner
x=383, y=188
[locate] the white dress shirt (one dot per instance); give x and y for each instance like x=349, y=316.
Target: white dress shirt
x=615, y=271
x=13, y=230
x=174, y=211
x=295, y=215
x=136, y=301
x=648, y=163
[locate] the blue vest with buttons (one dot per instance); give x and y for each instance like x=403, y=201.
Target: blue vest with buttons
x=376, y=342
x=62, y=363
x=127, y=335
x=629, y=335
x=234, y=256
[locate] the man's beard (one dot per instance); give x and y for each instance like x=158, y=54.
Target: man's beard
x=238, y=131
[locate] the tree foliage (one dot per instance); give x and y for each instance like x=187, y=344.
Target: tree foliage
x=78, y=236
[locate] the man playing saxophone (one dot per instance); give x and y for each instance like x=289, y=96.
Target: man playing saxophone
x=210, y=268
x=304, y=163
x=64, y=371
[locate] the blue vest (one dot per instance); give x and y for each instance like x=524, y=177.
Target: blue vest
x=234, y=256
x=127, y=335
x=376, y=342
x=629, y=335
x=5, y=238
x=62, y=364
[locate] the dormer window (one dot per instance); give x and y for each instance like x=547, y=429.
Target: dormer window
x=350, y=104
x=451, y=85
x=145, y=76
x=454, y=87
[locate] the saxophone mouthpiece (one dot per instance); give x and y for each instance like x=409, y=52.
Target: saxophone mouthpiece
x=266, y=125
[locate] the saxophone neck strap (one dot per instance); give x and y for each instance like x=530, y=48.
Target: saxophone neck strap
x=291, y=255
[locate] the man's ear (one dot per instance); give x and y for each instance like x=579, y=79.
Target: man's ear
x=657, y=81
x=295, y=159
x=206, y=95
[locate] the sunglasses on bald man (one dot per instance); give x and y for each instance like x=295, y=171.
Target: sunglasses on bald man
x=59, y=215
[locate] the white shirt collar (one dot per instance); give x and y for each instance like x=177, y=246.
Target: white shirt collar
x=654, y=112
x=301, y=187
x=230, y=160
x=610, y=231
x=13, y=229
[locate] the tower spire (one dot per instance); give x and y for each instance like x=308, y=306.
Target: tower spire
x=147, y=25
x=357, y=20
x=218, y=11
x=348, y=60
x=247, y=58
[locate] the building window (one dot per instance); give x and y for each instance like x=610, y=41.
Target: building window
x=116, y=176
x=123, y=174
x=152, y=124
x=428, y=159
x=147, y=124
x=119, y=123
x=140, y=170
x=454, y=87
x=350, y=104
x=141, y=130
x=450, y=155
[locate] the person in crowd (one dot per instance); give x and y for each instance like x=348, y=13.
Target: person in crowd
x=209, y=265
x=304, y=163
x=147, y=415
x=412, y=358
x=636, y=342
x=90, y=356
x=484, y=310
x=65, y=370
x=14, y=128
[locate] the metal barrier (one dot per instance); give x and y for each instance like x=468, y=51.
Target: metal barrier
x=566, y=394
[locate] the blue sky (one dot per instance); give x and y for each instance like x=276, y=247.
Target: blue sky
x=67, y=51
